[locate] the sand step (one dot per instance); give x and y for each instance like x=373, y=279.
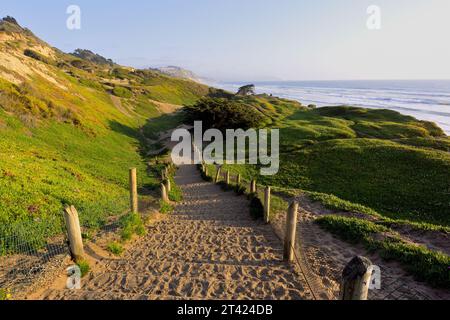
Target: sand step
x=217, y=227
x=201, y=246
x=274, y=272
x=232, y=255
x=232, y=237
x=122, y=285
x=217, y=240
x=221, y=220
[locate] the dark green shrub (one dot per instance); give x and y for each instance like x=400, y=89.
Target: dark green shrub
x=121, y=73
x=81, y=64
x=92, y=57
x=225, y=114
x=36, y=56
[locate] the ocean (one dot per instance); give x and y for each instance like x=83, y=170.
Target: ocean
x=423, y=99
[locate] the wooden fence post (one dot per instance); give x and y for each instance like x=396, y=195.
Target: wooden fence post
x=291, y=229
x=164, y=195
x=227, y=179
x=133, y=191
x=267, y=195
x=356, y=279
x=206, y=171
x=253, y=188
x=238, y=179
x=74, y=233
x=218, y=175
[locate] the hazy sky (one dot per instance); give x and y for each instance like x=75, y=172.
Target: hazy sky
x=255, y=39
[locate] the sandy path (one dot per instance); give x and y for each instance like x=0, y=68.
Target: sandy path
x=166, y=108
x=208, y=249
x=117, y=102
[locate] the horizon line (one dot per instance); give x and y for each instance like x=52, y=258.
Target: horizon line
x=329, y=80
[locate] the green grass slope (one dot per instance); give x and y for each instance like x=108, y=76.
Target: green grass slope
x=392, y=163
x=69, y=132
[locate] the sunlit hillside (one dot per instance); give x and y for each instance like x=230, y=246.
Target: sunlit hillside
x=70, y=129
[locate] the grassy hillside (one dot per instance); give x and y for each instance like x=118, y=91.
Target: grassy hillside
x=70, y=130
x=392, y=163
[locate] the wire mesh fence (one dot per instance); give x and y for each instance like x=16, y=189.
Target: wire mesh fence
x=29, y=261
